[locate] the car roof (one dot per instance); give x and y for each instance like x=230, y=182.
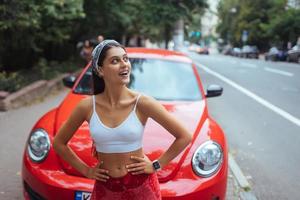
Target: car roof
x=141, y=52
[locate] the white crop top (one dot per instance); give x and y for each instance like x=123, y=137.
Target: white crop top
x=125, y=137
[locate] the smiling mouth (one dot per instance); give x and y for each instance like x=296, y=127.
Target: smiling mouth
x=124, y=73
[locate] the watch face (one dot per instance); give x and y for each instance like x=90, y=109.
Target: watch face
x=156, y=165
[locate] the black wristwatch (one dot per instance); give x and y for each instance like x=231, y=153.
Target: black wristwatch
x=156, y=165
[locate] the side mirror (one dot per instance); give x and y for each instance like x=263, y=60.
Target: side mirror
x=69, y=81
x=213, y=91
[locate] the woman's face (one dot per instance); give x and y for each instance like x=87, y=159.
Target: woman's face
x=116, y=67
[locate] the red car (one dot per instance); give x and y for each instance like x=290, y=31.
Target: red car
x=200, y=172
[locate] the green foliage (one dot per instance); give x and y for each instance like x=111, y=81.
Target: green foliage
x=35, y=36
x=267, y=22
x=19, y=14
x=10, y=82
x=152, y=19
x=161, y=15
x=286, y=26
x=43, y=70
x=28, y=27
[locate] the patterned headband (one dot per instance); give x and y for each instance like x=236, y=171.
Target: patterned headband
x=97, y=51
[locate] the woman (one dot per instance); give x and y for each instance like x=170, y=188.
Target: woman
x=86, y=51
x=117, y=116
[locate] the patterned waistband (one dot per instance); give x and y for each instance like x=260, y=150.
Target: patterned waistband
x=125, y=182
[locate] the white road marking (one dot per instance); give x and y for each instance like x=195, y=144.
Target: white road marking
x=248, y=65
x=260, y=100
x=278, y=71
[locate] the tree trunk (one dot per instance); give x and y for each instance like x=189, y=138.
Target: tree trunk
x=167, y=35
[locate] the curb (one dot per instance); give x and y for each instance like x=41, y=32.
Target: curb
x=33, y=91
x=237, y=172
x=246, y=193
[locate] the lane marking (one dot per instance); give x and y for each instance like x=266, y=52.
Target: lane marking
x=260, y=100
x=276, y=71
x=248, y=65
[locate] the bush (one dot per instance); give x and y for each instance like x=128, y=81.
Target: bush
x=44, y=70
x=10, y=82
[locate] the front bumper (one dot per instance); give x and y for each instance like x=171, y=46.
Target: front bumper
x=40, y=184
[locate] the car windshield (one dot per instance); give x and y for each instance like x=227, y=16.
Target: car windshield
x=296, y=47
x=273, y=50
x=246, y=48
x=161, y=79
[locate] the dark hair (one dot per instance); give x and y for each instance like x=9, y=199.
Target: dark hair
x=98, y=82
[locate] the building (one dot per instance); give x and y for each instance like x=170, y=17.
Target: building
x=294, y=4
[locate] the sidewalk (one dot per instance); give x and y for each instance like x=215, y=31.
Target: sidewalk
x=234, y=182
x=233, y=189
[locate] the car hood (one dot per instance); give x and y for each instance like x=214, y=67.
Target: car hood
x=156, y=139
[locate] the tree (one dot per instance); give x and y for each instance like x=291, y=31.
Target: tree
x=268, y=22
x=163, y=14
x=284, y=26
x=29, y=29
x=228, y=11
x=153, y=19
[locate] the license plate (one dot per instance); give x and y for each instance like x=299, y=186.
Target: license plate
x=79, y=195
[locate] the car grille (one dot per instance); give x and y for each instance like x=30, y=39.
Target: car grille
x=32, y=194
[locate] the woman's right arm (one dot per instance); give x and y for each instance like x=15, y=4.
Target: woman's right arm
x=65, y=133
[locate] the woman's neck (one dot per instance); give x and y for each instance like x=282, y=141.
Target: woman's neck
x=114, y=95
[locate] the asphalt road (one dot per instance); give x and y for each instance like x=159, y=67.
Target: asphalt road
x=15, y=126
x=260, y=113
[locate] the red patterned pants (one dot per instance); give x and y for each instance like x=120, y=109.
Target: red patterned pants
x=128, y=187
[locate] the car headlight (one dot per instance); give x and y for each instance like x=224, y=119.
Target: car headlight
x=207, y=159
x=38, y=145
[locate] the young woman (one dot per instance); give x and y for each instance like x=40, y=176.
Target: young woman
x=117, y=116
x=86, y=51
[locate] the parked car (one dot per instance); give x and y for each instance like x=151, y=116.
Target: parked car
x=294, y=54
x=203, y=50
x=236, y=51
x=194, y=47
x=249, y=52
x=275, y=54
x=227, y=50
x=200, y=172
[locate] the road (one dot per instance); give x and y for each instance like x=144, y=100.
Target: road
x=260, y=113
x=15, y=126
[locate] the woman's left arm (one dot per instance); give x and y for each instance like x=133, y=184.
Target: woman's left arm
x=153, y=109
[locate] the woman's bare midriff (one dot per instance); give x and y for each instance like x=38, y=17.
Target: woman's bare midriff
x=116, y=163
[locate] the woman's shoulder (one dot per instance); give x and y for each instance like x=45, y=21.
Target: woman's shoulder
x=86, y=101
x=146, y=101
x=150, y=107
x=85, y=104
